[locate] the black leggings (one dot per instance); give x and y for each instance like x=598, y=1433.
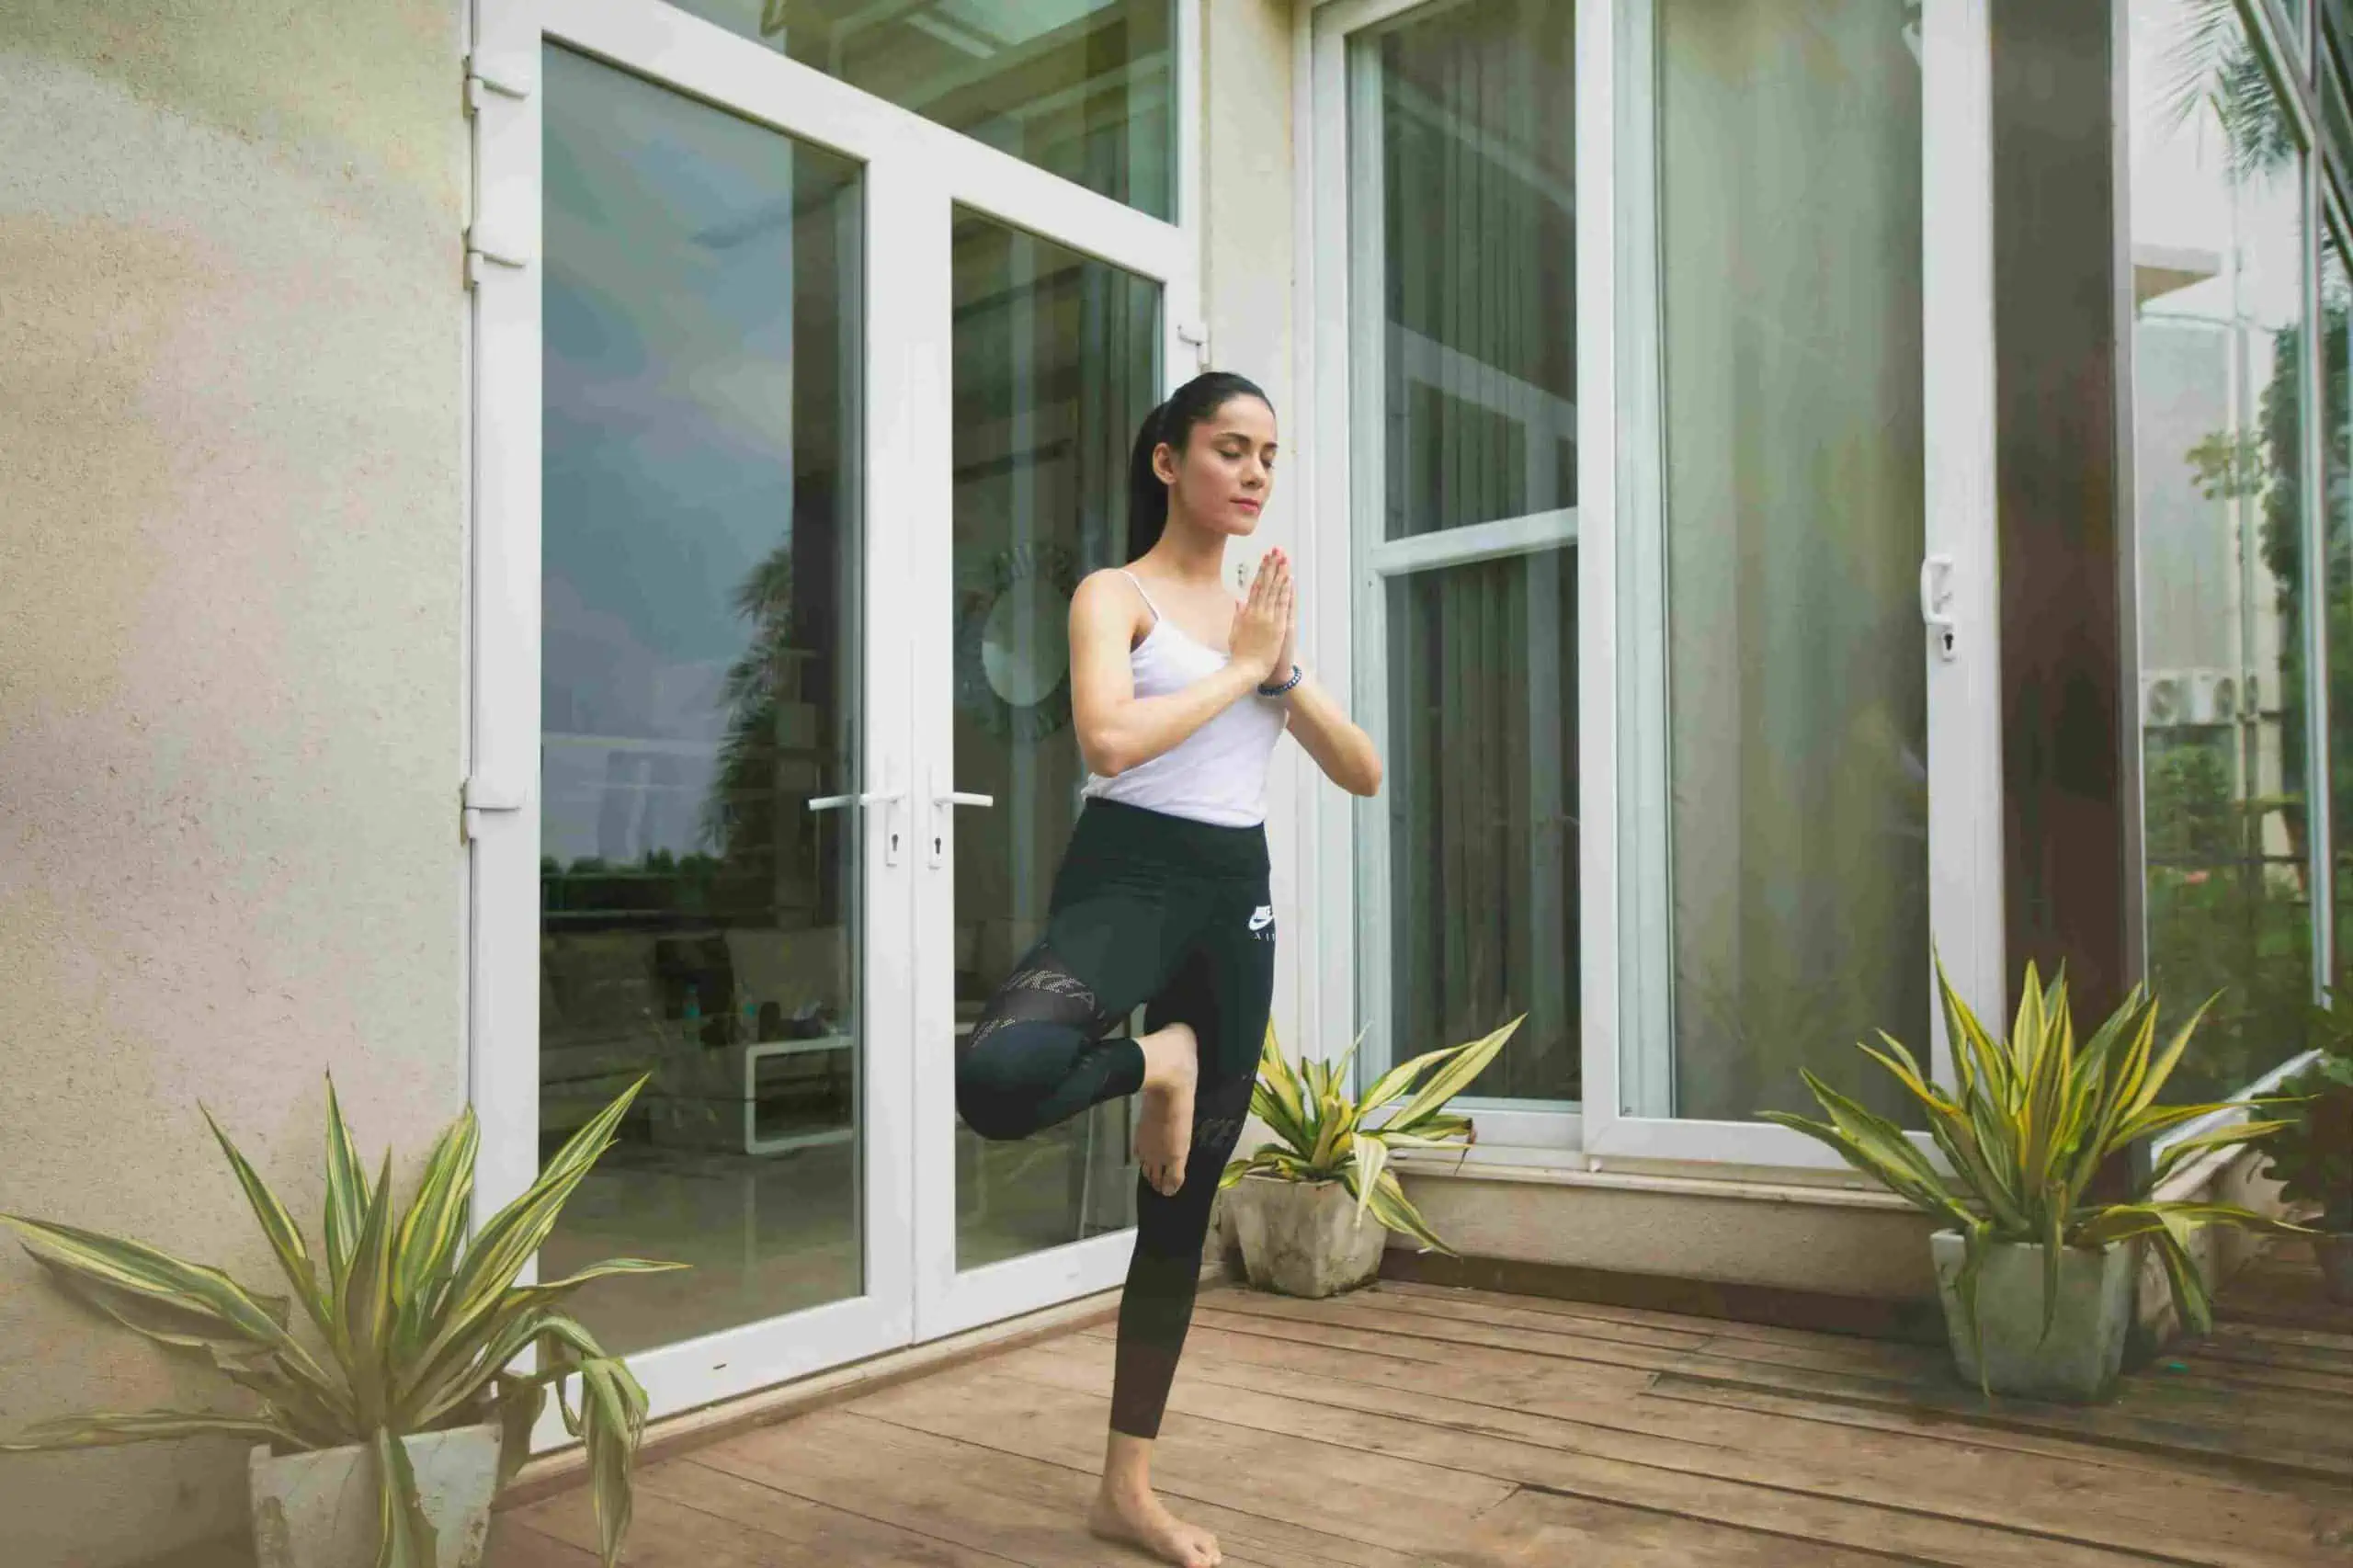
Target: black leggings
x=1175, y=917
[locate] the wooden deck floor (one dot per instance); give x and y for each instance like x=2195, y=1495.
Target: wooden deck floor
x=1415, y=1424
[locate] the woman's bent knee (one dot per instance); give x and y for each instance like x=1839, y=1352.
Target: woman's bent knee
x=992, y=1102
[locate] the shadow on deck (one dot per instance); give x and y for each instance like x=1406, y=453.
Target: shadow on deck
x=1413, y=1425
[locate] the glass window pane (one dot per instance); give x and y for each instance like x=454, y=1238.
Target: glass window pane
x=1462, y=195
x=2217, y=416
x=1483, y=803
x=1081, y=88
x=1467, y=182
x=1790, y=221
x=701, y=683
x=1056, y=364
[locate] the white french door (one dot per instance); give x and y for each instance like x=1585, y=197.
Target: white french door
x=794, y=414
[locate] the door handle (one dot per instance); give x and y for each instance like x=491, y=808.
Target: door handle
x=1936, y=594
x=892, y=798
x=943, y=801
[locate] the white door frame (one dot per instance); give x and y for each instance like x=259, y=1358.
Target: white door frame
x=913, y=172
x=1617, y=525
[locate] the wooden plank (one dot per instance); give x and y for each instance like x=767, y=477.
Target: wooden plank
x=2245, y=1380
x=1371, y=1498
x=1683, y=1479
x=2226, y=1333
x=2307, y=1352
x=1376, y=1316
x=2237, y=1439
x=2080, y=1495
x=1539, y=1529
x=2243, y=1425
x=1604, y=1312
x=2187, y=1471
x=2187, y=1419
x=1504, y=1313
x=2282, y=1290
x=514, y=1544
x=689, y=1516
x=1586, y=1379
x=1917, y=1321
x=1032, y=1509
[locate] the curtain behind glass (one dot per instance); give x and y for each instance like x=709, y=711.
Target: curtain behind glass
x=1790, y=287
x=1473, y=151
x=1479, y=165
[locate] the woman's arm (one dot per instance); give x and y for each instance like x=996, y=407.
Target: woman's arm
x=1117, y=729
x=1338, y=745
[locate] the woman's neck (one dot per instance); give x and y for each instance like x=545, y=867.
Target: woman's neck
x=1188, y=553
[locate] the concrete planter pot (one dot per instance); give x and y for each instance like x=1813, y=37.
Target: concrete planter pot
x=1302, y=1238
x=2334, y=1255
x=2078, y=1360
x=318, y=1510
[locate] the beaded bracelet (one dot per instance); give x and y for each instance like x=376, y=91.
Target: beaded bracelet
x=1297, y=674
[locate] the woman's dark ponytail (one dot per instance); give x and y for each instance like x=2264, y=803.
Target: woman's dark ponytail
x=1171, y=424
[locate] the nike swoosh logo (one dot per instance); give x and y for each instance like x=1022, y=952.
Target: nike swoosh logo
x=1262, y=918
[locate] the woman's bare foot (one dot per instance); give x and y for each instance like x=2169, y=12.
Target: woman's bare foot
x=1136, y=1518
x=1165, y=1133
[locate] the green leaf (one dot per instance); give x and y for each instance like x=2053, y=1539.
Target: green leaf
x=347, y=1200
x=216, y=1306
x=1275, y=1077
x=1392, y=1208
x=513, y=1235
x=435, y=1226
x=277, y=1226
x=1372, y=1157
x=368, y=1306
x=404, y=1536
x=116, y=1429
x=519, y=1403
x=1455, y=1077
x=1400, y=1078
x=610, y=1422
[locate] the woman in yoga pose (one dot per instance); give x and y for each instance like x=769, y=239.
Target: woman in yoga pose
x=1180, y=696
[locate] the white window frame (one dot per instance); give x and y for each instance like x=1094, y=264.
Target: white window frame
x=911, y=171
x=1620, y=502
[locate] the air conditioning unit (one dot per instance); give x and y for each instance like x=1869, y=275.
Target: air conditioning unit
x=2195, y=698
x=2214, y=696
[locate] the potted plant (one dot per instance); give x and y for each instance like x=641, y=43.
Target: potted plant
x=396, y=1379
x=2037, y=1278
x=2312, y=1156
x=1300, y=1201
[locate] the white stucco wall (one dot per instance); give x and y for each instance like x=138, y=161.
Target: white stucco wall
x=231, y=461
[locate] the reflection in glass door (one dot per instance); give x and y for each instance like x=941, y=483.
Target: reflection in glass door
x=1056, y=363
x=701, y=683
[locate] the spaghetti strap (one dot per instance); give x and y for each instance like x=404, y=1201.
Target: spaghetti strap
x=1141, y=594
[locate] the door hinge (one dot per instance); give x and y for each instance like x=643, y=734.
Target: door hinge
x=480, y=257
x=488, y=79
x=478, y=797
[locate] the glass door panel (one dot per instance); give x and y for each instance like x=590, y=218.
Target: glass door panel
x=1794, y=523
x=1056, y=363
x=701, y=704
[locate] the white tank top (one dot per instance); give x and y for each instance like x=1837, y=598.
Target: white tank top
x=1217, y=774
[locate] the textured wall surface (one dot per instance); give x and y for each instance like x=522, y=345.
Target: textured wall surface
x=231, y=521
